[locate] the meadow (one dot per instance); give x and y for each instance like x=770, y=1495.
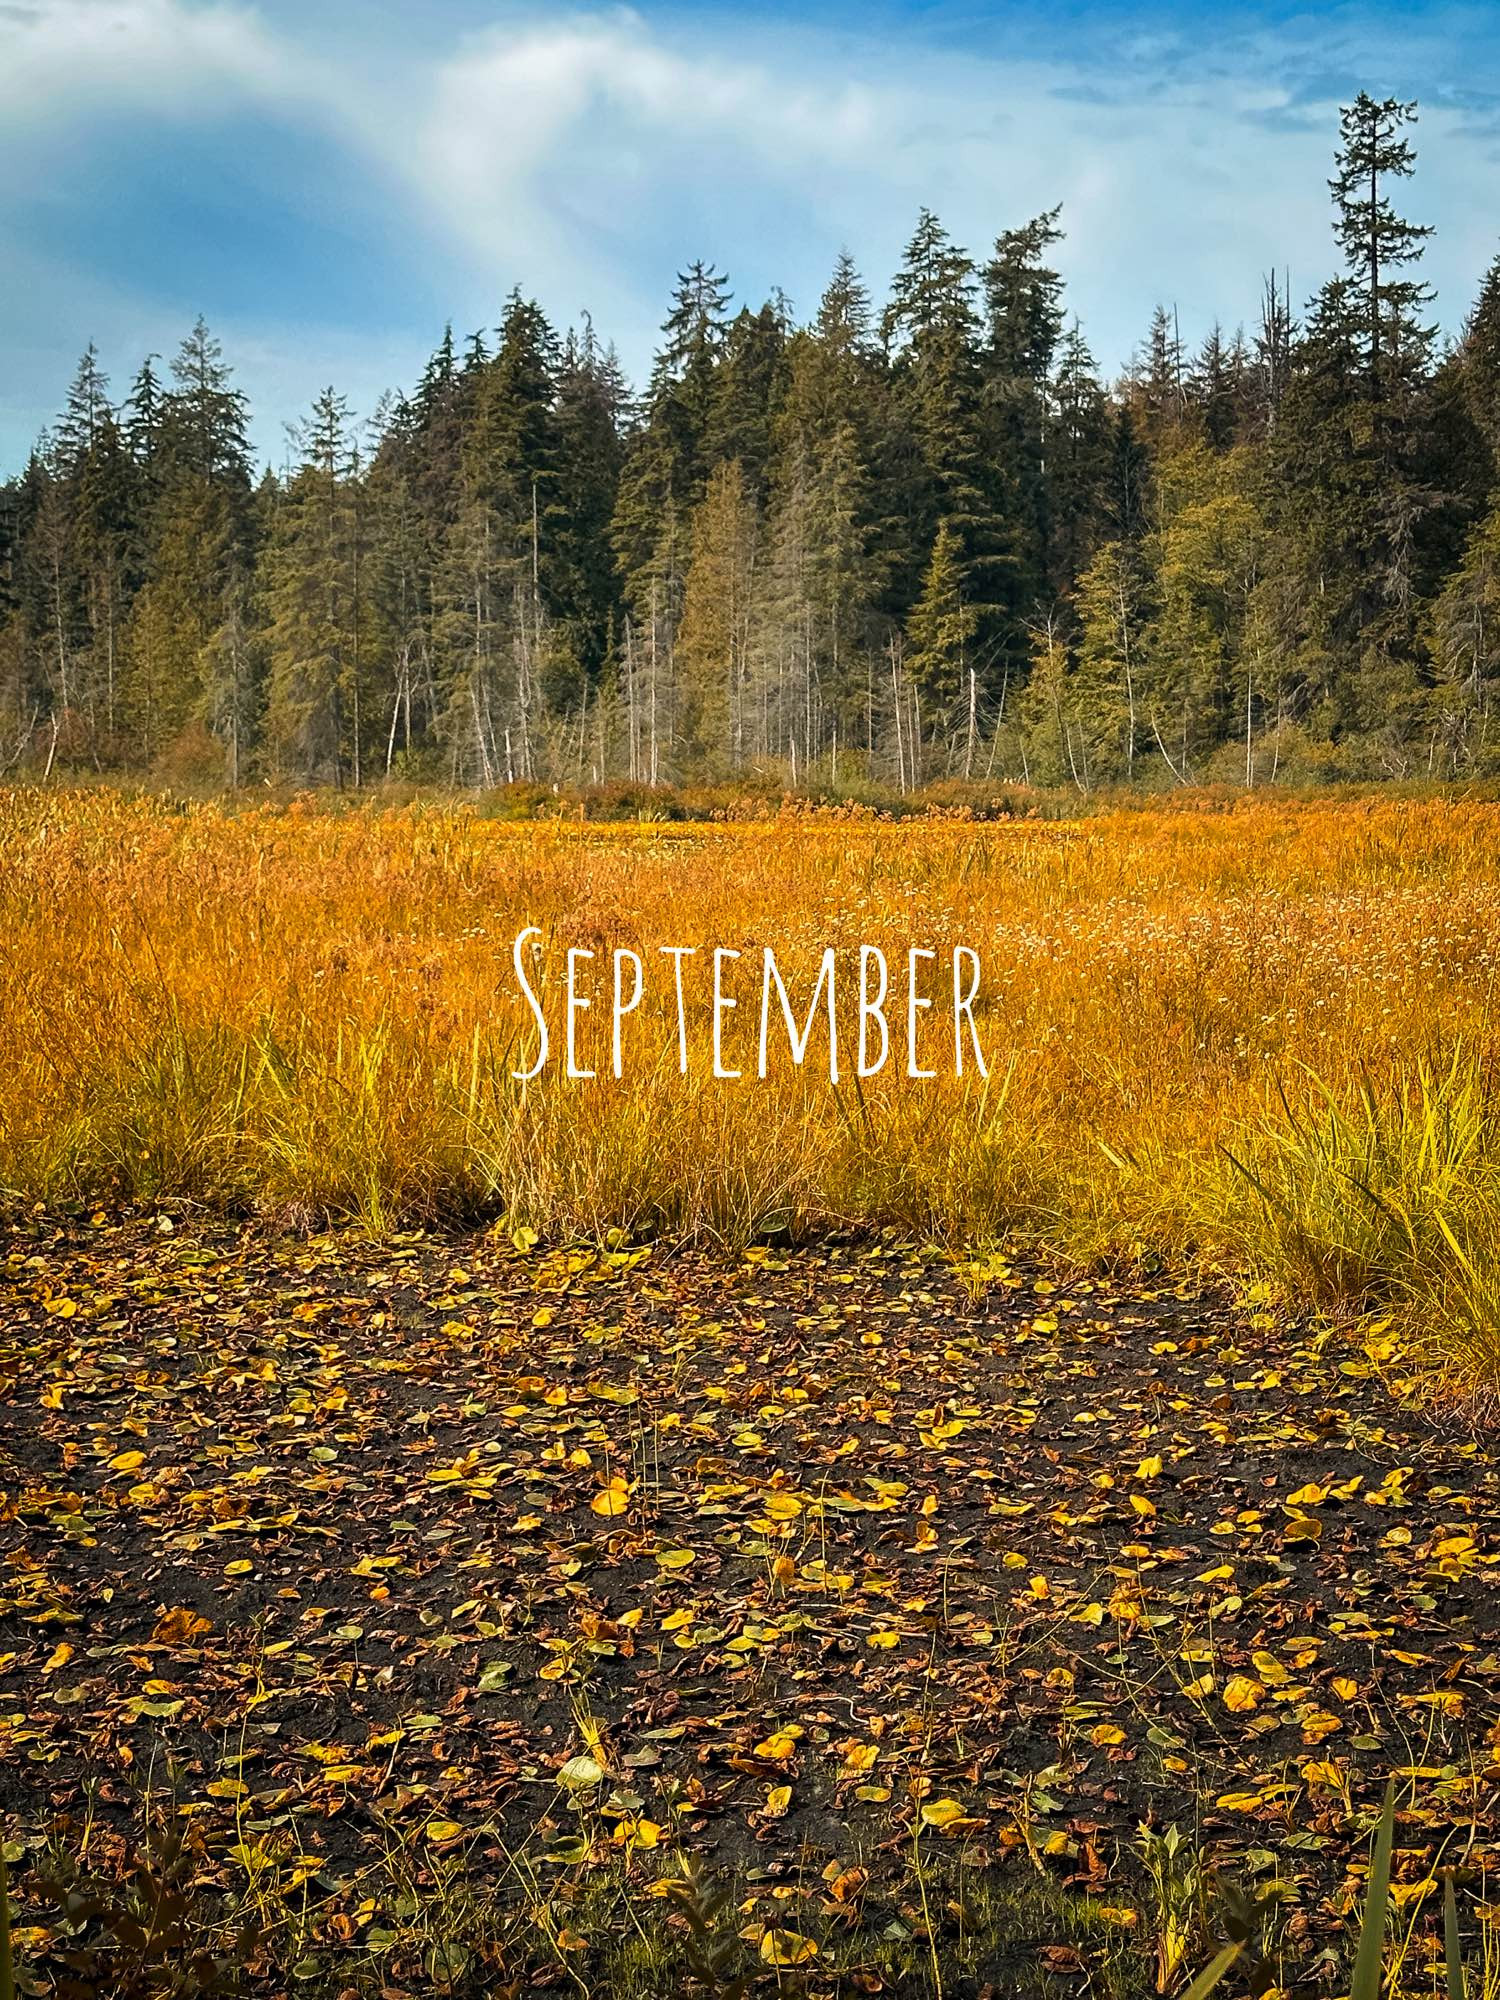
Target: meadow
x=949, y=1536
x=1259, y=1034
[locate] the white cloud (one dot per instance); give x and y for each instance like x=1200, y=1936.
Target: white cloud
x=560, y=153
x=554, y=149
x=58, y=57
x=586, y=154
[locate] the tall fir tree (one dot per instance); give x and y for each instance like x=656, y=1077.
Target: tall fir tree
x=940, y=630
x=1024, y=328
x=665, y=465
x=713, y=642
x=931, y=331
x=315, y=586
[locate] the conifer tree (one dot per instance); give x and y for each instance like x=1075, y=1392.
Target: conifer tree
x=1272, y=367
x=832, y=372
x=1479, y=363
x=203, y=418
x=828, y=538
x=401, y=608
x=941, y=628
x=591, y=404
x=314, y=599
x=845, y=574
x=931, y=329
x=1024, y=325
x=747, y=394
x=1377, y=242
x=1465, y=642
x=102, y=503
x=511, y=446
x=88, y=408
x=1215, y=388
x=713, y=641
x=1079, y=462
x=665, y=467
x=1111, y=608
x=173, y=616
x=1157, y=377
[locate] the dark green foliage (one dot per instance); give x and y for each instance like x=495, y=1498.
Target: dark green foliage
x=140, y=1935
x=1479, y=363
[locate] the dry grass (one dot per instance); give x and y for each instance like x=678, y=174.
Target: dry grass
x=1264, y=1035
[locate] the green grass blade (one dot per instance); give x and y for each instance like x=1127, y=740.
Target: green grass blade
x=1367, y=1961
x=1453, y=1961
x=1213, y=1972
x=7, y=1963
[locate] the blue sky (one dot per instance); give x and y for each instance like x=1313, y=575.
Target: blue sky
x=328, y=181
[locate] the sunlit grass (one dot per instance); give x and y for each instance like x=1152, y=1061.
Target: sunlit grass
x=1263, y=1036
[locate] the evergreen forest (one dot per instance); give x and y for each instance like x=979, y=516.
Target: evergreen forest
x=907, y=541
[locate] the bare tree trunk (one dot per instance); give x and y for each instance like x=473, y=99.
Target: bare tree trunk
x=989, y=769
x=390, y=741
x=479, y=731
x=1167, y=755
x=1129, y=684
x=896, y=711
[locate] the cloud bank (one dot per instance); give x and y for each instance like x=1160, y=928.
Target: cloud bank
x=327, y=189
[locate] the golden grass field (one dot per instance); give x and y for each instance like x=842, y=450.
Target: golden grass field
x=1259, y=1034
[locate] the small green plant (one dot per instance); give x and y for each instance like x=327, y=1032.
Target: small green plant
x=1370, y=1953
x=1453, y=1965
x=149, y=1934
x=1175, y=1873
x=1352, y=1188
x=713, y=1946
x=7, y=1960
x=1213, y=1973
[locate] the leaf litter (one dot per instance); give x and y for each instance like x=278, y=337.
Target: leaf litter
x=797, y=1558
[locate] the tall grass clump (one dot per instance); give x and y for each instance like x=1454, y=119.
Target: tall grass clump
x=1262, y=1031
x=1383, y=1197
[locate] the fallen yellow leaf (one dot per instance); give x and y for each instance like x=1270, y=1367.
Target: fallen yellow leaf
x=787, y=1948
x=180, y=1626
x=1243, y=1694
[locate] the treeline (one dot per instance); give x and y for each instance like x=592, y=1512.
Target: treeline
x=881, y=547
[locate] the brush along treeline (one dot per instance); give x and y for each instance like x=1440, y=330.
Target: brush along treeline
x=1262, y=1034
